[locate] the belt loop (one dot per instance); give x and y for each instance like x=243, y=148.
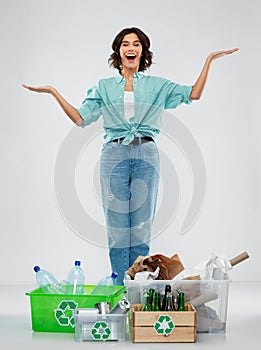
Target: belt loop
x=139, y=140
x=118, y=141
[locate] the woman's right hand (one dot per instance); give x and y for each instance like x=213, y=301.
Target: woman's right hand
x=46, y=89
x=71, y=111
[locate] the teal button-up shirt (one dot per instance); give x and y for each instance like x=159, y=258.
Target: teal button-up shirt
x=151, y=96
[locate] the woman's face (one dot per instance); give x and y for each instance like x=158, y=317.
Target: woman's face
x=130, y=52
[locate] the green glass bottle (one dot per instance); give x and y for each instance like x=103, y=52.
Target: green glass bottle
x=150, y=301
x=181, y=302
x=156, y=305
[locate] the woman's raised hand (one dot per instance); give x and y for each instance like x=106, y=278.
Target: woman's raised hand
x=46, y=89
x=199, y=85
x=218, y=54
x=71, y=111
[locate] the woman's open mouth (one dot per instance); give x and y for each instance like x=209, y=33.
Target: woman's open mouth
x=131, y=57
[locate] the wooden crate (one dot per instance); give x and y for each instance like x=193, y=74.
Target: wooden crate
x=162, y=326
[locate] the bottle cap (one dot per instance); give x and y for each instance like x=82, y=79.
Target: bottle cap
x=77, y=263
x=36, y=268
x=168, y=288
x=114, y=274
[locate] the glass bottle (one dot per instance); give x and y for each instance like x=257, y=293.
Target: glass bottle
x=175, y=302
x=145, y=300
x=167, y=289
x=181, y=302
x=169, y=302
x=150, y=299
x=156, y=305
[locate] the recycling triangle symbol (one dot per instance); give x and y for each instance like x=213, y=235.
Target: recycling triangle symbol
x=164, y=325
x=101, y=331
x=64, y=312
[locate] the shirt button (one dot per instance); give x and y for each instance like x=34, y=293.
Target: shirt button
x=120, y=96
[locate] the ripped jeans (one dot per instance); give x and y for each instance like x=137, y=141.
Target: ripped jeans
x=129, y=176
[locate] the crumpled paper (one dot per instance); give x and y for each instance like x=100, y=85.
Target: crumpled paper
x=168, y=267
x=147, y=275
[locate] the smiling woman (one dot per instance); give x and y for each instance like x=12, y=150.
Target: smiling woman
x=131, y=38
x=131, y=104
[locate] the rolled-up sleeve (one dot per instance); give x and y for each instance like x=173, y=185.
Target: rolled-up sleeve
x=177, y=94
x=90, y=110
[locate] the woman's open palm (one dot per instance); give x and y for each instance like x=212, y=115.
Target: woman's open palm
x=218, y=54
x=46, y=89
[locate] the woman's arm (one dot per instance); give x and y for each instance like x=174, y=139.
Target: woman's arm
x=198, y=87
x=71, y=111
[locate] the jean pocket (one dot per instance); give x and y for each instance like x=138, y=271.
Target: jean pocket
x=109, y=147
x=150, y=146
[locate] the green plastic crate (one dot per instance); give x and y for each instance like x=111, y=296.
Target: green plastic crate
x=54, y=312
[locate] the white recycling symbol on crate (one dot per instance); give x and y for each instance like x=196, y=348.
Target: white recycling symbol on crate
x=164, y=325
x=64, y=312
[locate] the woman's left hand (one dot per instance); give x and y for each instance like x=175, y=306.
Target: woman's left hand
x=198, y=87
x=214, y=55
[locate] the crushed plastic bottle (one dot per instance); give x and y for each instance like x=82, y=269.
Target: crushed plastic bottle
x=48, y=282
x=106, y=286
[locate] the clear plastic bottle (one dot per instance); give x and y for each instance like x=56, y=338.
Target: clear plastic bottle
x=76, y=279
x=48, y=282
x=106, y=286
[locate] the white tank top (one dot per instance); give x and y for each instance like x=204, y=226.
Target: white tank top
x=128, y=105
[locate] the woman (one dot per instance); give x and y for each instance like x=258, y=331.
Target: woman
x=131, y=104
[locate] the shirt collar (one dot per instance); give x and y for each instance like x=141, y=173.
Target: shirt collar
x=119, y=77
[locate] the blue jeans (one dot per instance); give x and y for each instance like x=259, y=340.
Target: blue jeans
x=129, y=176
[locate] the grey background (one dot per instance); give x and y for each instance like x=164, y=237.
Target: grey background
x=66, y=44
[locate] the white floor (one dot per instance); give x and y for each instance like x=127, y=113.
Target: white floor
x=243, y=325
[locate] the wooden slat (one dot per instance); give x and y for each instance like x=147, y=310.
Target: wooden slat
x=148, y=318
x=178, y=335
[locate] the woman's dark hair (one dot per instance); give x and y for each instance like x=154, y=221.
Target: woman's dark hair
x=146, y=56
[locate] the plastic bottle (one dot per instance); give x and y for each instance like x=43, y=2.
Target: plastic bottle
x=48, y=282
x=106, y=286
x=76, y=279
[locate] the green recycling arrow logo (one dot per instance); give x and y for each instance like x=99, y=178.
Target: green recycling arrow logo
x=64, y=312
x=101, y=331
x=164, y=325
